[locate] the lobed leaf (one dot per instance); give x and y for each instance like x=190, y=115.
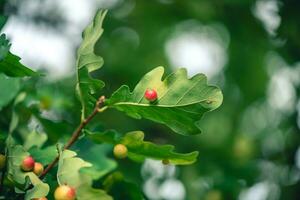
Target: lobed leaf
x=10, y=64
x=69, y=172
x=39, y=190
x=181, y=101
x=87, y=62
x=139, y=150
x=68, y=169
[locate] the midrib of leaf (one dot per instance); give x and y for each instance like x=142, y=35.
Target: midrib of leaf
x=160, y=105
x=80, y=93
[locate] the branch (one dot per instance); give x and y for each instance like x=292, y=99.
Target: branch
x=76, y=133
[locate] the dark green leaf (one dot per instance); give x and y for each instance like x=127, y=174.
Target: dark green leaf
x=101, y=164
x=181, y=101
x=116, y=185
x=9, y=88
x=11, y=66
x=4, y=46
x=45, y=155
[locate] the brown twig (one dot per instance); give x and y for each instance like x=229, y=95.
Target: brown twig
x=76, y=134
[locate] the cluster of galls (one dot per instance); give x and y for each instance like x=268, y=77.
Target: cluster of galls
x=28, y=165
x=63, y=192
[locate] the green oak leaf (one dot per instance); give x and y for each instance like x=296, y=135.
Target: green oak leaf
x=9, y=88
x=4, y=46
x=181, y=101
x=139, y=150
x=87, y=62
x=69, y=172
x=3, y=20
x=68, y=168
x=10, y=64
x=39, y=190
x=16, y=154
x=45, y=155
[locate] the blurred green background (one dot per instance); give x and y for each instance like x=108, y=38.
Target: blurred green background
x=249, y=148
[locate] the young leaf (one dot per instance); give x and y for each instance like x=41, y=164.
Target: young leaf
x=68, y=169
x=10, y=64
x=39, y=190
x=87, y=62
x=139, y=150
x=34, y=139
x=69, y=172
x=181, y=101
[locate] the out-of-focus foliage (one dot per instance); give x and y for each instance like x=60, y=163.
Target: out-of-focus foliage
x=251, y=142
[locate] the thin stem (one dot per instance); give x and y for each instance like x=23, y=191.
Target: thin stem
x=77, y=133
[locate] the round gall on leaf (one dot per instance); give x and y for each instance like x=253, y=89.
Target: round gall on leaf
x=120, y=151
x=27, y=164
x=38, y=168
x=64, y=192
x=151, y=95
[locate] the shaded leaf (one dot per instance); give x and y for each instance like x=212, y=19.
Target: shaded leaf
x=139, y=150
x=45, y=155
x=116, y=185
x=9, y=88
x=101, y=164
x=87, y=62
x=4, y=46
x=181, y=101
